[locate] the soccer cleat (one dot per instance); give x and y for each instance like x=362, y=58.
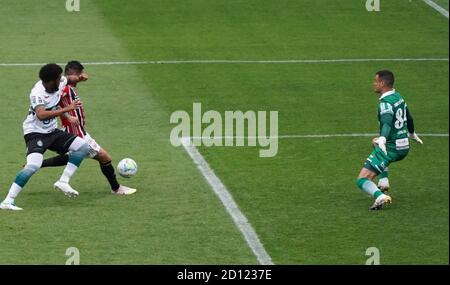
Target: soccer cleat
x=380, y=201
x=383, y=185
x=9, y=206
x=124, y=190
x=66, y=189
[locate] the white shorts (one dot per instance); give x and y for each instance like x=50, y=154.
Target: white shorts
x=94, y=147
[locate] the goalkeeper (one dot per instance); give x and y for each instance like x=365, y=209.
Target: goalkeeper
x=396, y=126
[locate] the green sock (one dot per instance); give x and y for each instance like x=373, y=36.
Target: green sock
x=369, y=187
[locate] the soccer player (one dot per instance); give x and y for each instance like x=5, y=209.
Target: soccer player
x=41, y=133
x=396, y=125
x=74, y=123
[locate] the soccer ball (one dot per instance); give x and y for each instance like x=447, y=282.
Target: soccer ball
x=127, y=168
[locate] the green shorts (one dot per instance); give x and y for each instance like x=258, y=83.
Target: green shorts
x=378, y=161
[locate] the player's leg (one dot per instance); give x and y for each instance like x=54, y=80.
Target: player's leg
x=365, y=182
x=34, y=161
x=104, y=160
x=383, y=181
x=78, y=150
x=393, y=156
x=102, y=156
x=108, y=171
x=59, y=160
x=36, y=147
x=373, y=166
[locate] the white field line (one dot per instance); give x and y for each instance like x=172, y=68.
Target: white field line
x=238, y=61
x=306, y=136
x=227, y=200
x=437, y=7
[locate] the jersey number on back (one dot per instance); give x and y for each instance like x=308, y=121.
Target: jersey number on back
x=400, y=116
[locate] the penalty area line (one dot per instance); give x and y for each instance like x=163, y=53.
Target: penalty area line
x=437, y=7
x=239, y=219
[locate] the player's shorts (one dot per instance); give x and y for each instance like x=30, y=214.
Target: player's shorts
x=57, y=141
x=94, y=147
x=378, y=161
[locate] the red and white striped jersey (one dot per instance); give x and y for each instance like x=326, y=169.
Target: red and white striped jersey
x=67, y=97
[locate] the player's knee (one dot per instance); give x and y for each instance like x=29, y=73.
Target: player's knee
x=104, y=156
x=34, y=160
x=32, y=168
x=84, y=149
x=76, y=157
x=79, y=144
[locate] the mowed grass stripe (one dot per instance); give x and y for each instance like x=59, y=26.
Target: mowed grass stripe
x=240, y=61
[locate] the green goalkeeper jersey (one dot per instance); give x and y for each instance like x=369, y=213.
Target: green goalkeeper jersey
x=392, y=116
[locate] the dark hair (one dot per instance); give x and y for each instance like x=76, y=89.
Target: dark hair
x=387, y=77
x=73, y=65
x=50, y=72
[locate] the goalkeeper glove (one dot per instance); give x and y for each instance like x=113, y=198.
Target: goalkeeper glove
x=381, y=142
x=415, y=137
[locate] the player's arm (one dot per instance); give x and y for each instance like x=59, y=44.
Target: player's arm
x=77, y=77
x=385, y=129
x=410, y=124
x=385, y=124
x=43, y=114
x=83, y=76
x=71, y=119
x=386, y=119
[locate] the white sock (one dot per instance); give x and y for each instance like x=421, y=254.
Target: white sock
x=68, y=172
x=370, y=188
x=12, y=194
x=383, y=181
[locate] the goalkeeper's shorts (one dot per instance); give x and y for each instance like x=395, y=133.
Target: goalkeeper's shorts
x=378, y=160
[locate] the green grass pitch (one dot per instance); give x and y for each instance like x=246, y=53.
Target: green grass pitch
x=302, y=203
